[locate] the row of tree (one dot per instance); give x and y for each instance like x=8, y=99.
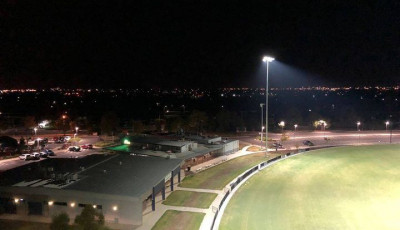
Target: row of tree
x=89, y=219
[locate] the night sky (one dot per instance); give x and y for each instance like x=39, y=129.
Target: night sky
x=195, y=44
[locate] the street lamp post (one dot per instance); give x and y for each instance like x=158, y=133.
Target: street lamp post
x=358, y=128
x=76, y=134
x=262, y=123
x=35, y=129
x=387, y=123
x=267, y=60
x=295, y=129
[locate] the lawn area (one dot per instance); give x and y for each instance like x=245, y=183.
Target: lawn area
x=177, y=220
x=337, y=188
x=190, y=199
x=23, y=225
x=218, y=176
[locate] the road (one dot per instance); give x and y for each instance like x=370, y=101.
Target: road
x=64, y=153
x=335, y=138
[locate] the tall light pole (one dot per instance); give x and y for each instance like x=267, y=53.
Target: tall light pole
x=387, y=124
x=262, y=123
x=295, y=129
x=267, y=60
x=35, y=129
x=76, y=134
x=282, y=125
x=358, y=128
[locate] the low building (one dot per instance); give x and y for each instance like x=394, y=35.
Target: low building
x=120, y=187
x=192, y=149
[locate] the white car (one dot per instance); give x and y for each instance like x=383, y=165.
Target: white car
x=67, y=138
x=35, y=155
x=25, y=157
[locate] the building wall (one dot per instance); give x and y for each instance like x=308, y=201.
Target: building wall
x=127, y=215
x=230, y=147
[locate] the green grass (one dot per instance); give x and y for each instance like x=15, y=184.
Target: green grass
x=338, y=188
x=23, y=225
x=120, y=148
x=103, y=144
x=219, y=176
x=74, y=140
x=190, y=199
x=177, y=220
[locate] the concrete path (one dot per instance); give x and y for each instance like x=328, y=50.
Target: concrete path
x=151, y=217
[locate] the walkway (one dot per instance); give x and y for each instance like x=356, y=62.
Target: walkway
x=151, y=217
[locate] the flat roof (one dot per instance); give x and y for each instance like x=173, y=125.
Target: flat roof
x=157, y=141
x=125, y=175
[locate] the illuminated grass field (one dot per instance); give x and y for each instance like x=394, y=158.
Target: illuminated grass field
x=338, y=188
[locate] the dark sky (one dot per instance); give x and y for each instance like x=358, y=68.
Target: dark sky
x=198, y=43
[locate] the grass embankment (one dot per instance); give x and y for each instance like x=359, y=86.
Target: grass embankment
x=219, y=176
x=177, y=220
x=190, y=199
x=22, y=225
x=337, y=188
x=102, y=144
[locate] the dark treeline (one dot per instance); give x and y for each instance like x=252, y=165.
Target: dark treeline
x=219, y=110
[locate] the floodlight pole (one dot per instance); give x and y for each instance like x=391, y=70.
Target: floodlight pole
x=262, y=124
x=266, y=112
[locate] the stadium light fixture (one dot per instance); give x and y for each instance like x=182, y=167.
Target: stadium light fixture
x=266, y=59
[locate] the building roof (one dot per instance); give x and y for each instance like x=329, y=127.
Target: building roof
x=125, y=175
x=157, y=141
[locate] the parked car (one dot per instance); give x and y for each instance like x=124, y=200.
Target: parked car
x=25, y=157
x=74, y=149
x=35, y=155
x=308, y=143
x=67, y=138
x=277, y=145
x=49, y=152
x=87, y=146
x=44, y=154
x=60, y=140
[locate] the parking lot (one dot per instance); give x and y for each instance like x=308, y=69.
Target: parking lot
x=59, y=153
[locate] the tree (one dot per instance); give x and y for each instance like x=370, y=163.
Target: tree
x=62, y=123
x=90, y=219
x=176, y=125
x=60, y=222
x=72, y=125
x=109, y=123
x=197, y=120
x=29, y=122
x=137, y=126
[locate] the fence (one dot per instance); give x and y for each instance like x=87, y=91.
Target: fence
x=245, y=175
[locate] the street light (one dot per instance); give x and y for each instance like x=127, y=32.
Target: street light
x=282, y=125
x=267, y=60
x=76, y=130
x=387, y=124
x=35, y=129
x=262, y=127
x=295, y=129
x=358, y=128
x=262, y=130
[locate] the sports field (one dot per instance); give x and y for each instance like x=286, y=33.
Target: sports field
x=337, y=188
